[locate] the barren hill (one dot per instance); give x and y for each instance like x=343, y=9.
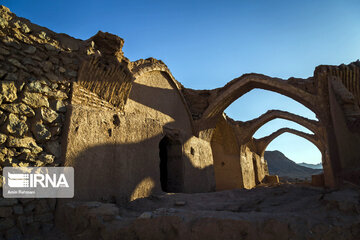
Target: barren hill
x=313, y=166
x=280, y=165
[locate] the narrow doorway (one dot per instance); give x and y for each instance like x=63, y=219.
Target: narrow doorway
x=171, y=165
x=256, y=170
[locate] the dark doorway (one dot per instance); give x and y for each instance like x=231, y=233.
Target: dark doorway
x=256, y=170
x=171, y=165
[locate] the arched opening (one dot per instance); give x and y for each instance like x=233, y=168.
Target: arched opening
x=293, y=144
x=288, y=166
x=255, y=113
x=296, y=148
x=171, y=165
x=257, y=101
x=254, y=103
x=246, y=83
x=276, y=124
x=300, y=93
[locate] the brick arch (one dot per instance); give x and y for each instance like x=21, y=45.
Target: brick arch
x=262, y=143
x=239, y=86
x=250, y=127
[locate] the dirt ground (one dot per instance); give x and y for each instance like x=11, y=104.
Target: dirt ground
x=284, y=211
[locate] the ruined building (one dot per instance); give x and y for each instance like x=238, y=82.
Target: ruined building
x=130, y=129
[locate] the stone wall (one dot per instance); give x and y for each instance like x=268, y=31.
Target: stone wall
x=34, y=92
x=26, y=217
x=35, y=74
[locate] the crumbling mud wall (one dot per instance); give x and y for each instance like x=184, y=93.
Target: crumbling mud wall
x=226, y=154
x=128, y=141
x=344, y=95
x=332, y=94
x=237, y=164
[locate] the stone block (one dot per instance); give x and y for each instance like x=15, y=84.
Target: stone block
x=18, y=209
x=13, y=234
x=271, y=179
x=6, y=223
x=8, y=202
x=318, y=180
x=6, y=211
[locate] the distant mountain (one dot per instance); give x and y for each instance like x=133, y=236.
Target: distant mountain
x=280, y=165
x=313, y=166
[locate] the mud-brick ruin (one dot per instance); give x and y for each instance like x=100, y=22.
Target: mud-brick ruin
x=130, y=130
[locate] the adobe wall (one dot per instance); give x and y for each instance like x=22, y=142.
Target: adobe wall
x=226, y=154
x=235, y=164
x=344, y=107
x=247, y=167
x=260, y=168
x=199, y=166
x=155, y=95
x=347, y=140
x=110, y=160
x=123, y=147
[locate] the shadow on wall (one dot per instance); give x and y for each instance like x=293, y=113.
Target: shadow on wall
x=146, y=95
x=154, y=98
x=116, y=156
x=116, y=173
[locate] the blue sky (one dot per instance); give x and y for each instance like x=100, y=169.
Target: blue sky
x=208, y=43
